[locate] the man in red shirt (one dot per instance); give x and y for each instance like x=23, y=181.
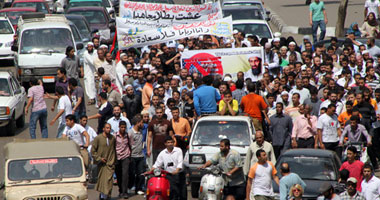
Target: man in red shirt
x=253, y=104
x=355, y=167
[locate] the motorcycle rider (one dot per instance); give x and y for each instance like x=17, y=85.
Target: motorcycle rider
x=171, y=160
x=230, y=163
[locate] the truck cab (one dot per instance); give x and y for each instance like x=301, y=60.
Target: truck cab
x=40, y=46
x=44, y=169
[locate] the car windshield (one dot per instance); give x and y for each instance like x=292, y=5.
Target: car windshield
x=258, y=5
x=4, y=87
x=47, y=168
x=76, y=34
x=260, y=30
x=15, y=15
x=243, y=14
x=40, y=6
x=106, y=3
x=312, y=168
x=5, y=27
x=81, y=25
x=86, y=3
x=49, y=40
x=209, y=133
x=92, y=16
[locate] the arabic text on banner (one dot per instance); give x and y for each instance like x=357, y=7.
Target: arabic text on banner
x=170, y=13
x=225, y=61
x=135, y=37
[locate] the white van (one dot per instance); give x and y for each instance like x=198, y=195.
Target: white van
x=205, y=140
x=41, y=46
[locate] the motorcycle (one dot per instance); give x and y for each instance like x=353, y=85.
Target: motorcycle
x=158, y=186
x=212, y=184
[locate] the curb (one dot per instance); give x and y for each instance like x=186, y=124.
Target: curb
x=284, y=28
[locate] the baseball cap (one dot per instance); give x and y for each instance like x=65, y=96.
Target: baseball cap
x=352, y=180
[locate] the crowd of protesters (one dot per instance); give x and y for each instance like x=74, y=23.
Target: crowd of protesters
x=306, y=96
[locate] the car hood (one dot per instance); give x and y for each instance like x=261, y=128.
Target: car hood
x=75, y=189
x=312, y=188
x=40, y=60
x=6, y=100
x=6, y=38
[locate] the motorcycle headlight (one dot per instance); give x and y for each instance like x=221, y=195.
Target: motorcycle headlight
x=157, y=172
x=67, y=198
x=4, y=111
x=197, y=159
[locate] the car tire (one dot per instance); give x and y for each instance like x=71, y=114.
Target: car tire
x=195, y=189
x=20, y=123
x=11, y=127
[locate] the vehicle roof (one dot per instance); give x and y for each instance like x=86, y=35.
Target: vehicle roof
x=50, y=20
x=308, y=152
x=242, y=1
x=240, y=7
x=225, y=118
x=73, y=16
x=85, y=8
x=29, y=1
x=18, y=9
x=84, y=1
x=250, y=21
x=42, y=148
x=4, y=74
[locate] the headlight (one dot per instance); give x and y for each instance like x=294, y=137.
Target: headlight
x=4, y=111
x=157, y=172
x=67, y=198
x=27, y=71
x=197, y=159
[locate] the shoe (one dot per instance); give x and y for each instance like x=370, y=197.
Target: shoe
x=125, y=196
x=140, y=192
x=121, y=195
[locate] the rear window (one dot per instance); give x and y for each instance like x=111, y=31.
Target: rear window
x=210, y=133
x=40, y=6
x=92, y=16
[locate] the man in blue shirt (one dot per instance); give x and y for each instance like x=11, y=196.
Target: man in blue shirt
x=205, y=97
x=288, y=180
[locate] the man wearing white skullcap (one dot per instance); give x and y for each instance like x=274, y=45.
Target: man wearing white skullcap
x=292, y=49
x=271, y=60
x=89, y=72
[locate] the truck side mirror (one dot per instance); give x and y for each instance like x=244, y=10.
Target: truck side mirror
x=14, y=48
x=80, y=46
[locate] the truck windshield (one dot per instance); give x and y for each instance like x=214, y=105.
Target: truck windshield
x=46, y=168
x=209, y=133
x=48, y=40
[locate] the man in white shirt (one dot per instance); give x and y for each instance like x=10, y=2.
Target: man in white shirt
x=121, y=71
x=370, y=184
x=76, y=132
x=64, y=108
x=333, y=99
x=303, y=92
x=171, y=160
x=328, y=130
x=89, y=72
x=117, y=117
x=90, y=131
x=110, y=67
x=371, y=6
x=259, y=184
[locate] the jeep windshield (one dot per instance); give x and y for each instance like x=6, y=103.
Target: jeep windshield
x=46, y=168
x=209, y=133
x=45, y=40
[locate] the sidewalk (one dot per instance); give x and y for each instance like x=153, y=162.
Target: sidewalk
x=292, y=16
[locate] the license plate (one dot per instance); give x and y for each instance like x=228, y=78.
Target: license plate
x=48, y=79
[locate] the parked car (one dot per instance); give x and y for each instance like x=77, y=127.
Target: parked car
x=254, y=27
x=82, y=25
x=155, y=1
x=12, y=103
x=44, y=169
x=97, y=17
x=314, y=166
x=40, y=5
x=257, y=3
x=205, y=140
x=6, y=39
x=14, y=13
x=243, y=12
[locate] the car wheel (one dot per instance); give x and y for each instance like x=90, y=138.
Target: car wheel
x=11, y=127
x=195, y=190
x=20, y=123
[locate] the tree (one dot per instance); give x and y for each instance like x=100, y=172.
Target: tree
x=342, y=12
